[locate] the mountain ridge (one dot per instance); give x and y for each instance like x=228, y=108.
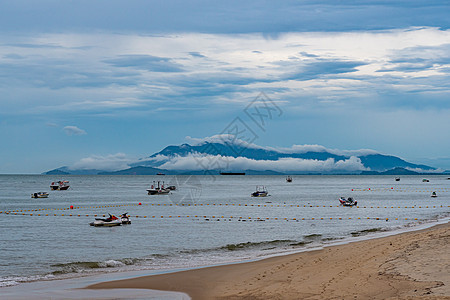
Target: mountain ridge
x=229, y=154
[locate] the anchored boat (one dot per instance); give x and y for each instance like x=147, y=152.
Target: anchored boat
x=348, y=202
x=39, y=195
x=60, y=185
x=158, y=189
x=261, y=191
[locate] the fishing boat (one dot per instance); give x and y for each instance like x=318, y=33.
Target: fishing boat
x=39, y=195
x=158, y=188
x=348, y=202
x=60, y=185
x=425, y=180
x=289, y=179
x=261, y=191
x=433, y=195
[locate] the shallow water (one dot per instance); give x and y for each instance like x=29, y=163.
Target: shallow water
x=207, y=220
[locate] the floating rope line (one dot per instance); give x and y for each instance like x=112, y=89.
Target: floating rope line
x=220, y=204
x=213, y=217
x=392, y=189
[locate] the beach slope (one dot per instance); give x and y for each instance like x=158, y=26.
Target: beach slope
x=411, y=265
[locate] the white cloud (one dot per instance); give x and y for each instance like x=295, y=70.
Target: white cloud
x=218, y=162
x=420, y=170
x=299, y=149
x=74, y=130
x=111, y=162
x=222, y=139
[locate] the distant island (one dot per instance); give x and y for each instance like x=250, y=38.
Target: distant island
x=225, y=154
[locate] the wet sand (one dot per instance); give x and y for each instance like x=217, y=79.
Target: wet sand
x=411, y=265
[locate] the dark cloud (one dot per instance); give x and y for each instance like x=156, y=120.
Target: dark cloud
x=145, y=62
x=321, y=68
x=196, y=54
x=415, y=59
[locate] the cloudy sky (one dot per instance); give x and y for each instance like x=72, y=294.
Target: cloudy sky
x=112, y=81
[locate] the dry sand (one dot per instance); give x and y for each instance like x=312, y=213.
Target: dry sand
x=412, y=265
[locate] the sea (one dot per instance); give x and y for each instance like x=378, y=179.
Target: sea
x=207, y=220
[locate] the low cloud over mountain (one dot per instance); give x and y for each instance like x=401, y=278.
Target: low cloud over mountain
x=231, y=154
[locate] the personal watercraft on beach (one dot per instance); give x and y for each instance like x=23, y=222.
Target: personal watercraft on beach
x=125, y=219
x=348, y=202
x=110, y=221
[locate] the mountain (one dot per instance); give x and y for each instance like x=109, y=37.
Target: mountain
x=229, y=154
x=139, y=171
x=67, y=171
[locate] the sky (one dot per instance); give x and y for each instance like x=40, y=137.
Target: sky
x=112, y=81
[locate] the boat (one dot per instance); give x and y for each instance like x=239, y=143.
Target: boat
x=289, y=179
x=425, y=180
x=348, y=202
x=261, y=191
x=108, y=222
x=60, y=185
x=433, y=195
x=125, y=219
x=232, y=173
x=158, y=189
x=39, y=195
x=397, y=178
x=160, y=173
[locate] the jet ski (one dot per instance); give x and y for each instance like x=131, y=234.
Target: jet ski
x=110, y=221
x=348, y=202
x=125, y=219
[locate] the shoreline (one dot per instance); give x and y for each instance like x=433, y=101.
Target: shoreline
x=408, y=265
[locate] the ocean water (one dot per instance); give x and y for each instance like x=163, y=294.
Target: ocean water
x=207, y=220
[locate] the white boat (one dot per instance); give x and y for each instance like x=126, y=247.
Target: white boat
x=348, y=202
x=261, y=191
x=60, y=185
x=108, y=222
x=158, y=188
x=39, y=195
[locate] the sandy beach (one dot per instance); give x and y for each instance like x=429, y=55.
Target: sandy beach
x=411, y=265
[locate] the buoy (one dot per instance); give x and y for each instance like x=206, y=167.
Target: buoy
x=140, y=203
x=71, y=207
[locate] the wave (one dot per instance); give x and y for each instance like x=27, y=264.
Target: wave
x=81, y=266
x=367, y=231
x=15, y=280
